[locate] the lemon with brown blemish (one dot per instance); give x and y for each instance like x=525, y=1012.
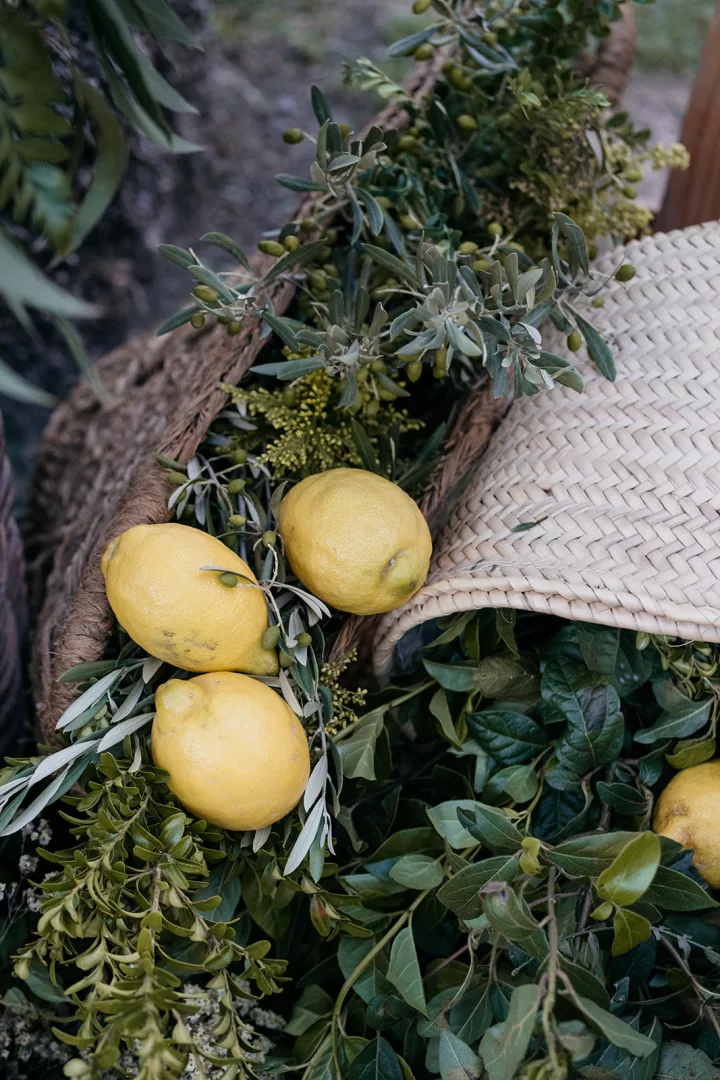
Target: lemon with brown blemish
x=181, y=613
x=688, y=811
x=236, y=753
x=355, y=540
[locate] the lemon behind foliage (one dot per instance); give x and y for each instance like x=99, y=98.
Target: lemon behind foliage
x=688, y=811
x=356, y=540
x=236, y=753
x=180, y=613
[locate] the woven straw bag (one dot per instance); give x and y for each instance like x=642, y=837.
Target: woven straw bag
x=622, y=481
x=96, y=475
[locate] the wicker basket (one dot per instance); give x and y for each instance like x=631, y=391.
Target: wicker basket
x=622, y=481
x=96, y=473
x=12, y=610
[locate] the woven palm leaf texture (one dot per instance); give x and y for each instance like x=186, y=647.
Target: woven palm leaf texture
x=603, y=506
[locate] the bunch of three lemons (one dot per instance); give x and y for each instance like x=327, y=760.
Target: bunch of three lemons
x=236, y=753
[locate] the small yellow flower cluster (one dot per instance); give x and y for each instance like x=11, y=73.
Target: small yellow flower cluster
x=345, y=701
x=306, y=433
x=674, y=156
x=617, y=217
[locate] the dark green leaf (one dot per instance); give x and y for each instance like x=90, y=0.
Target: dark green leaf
x=472, y=1016
x=298, y=183
x=284, y=331
x=373, y=209
x=626, y=799
x=179, y=319
x=630, y=929
x=591, y=708
x=491, y=827
x=598, y=349
x=289, y=370
x=365, y=448
x=510, y=737
x=391, y=262
x=162, y=22
x=305, y=253
x=451, y=676
x=677, y=892
x=507, y=678
x=320, y=105
x=462, y=892
x=111, y=159
x=357, y=752
x=631, y=872
x=510, y=916
x=586, y=856
x=575, y=239
x=372, y=981
x=680, y=1061
x=440, y=710
x=407, y=45
x=376, y=1061
x=585, y=982
x=313, y=1004
x=599, y=646
x=41, y=985
x=686, y=718
x=615, y=1030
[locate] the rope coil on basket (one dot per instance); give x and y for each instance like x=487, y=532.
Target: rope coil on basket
x=97, y=476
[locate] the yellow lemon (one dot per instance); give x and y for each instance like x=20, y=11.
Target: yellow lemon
x=355, y=540
x=688, y=811
x=236, y=753
x=181, y=613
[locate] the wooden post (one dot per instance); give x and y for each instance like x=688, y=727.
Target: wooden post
x=693, y=196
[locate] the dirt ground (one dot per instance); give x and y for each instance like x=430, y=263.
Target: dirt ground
x=250, y=84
